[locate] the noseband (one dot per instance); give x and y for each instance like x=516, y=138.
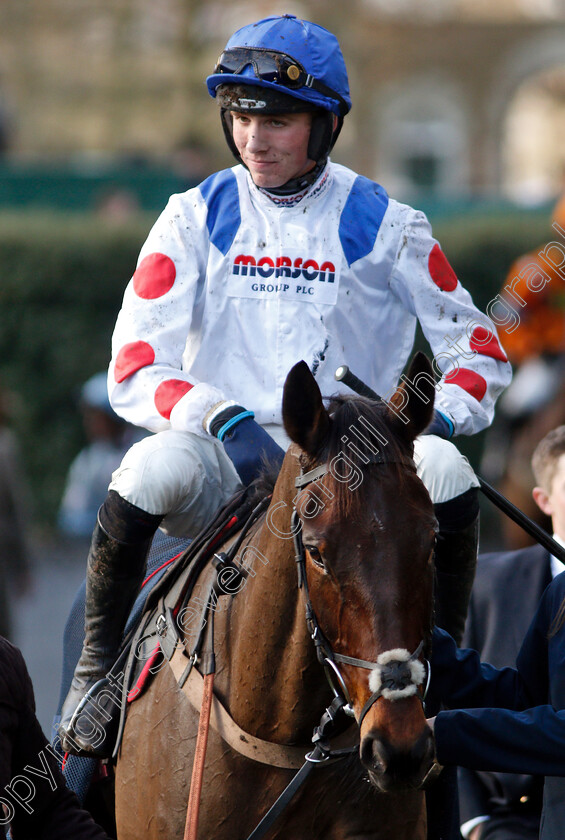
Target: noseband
x=396, y=673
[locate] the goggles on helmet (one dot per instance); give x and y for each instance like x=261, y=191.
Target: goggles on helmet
x=274, y=67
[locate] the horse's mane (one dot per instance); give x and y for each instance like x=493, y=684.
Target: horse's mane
x=359, y=428
x=265, y=482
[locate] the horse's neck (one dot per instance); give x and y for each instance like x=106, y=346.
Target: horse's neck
x=276, y=686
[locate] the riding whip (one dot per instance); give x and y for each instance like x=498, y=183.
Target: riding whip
x=345, y=375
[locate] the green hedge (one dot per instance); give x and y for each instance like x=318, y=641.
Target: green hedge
x=62, y=280
x=483, y=246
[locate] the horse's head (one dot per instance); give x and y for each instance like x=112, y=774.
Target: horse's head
x=368, y=531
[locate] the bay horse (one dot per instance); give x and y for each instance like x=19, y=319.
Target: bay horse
x=367, y=532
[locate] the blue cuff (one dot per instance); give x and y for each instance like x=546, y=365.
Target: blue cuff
x=233, y=421
x=449, y=422
x=440, y=425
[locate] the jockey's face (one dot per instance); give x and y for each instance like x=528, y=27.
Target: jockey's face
x=274, y=148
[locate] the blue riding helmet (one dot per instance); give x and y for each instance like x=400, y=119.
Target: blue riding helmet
x=288, y=55
x=297, y=66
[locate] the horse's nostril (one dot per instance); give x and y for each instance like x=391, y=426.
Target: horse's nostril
x=374, y=754
x=424, y=749
x=401, y=768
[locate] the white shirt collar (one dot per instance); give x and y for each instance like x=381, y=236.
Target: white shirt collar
x=319, y=186
x=557, y=566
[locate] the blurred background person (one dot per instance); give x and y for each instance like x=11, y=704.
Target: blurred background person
x=108, y=439
x=506, y=593
x=15, y=518
x=41, y=619
x=534, y=402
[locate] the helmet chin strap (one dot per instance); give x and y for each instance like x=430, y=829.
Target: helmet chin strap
x=301, y=182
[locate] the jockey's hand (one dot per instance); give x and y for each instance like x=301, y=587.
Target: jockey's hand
x=440, y=426
x=246, y=443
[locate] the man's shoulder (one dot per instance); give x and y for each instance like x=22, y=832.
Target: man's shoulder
x=10, y=655
x=365, y=189
x=505, y=595
x=367, y=211
x=494, y=562
x=503, y=570
x=369, y=201
x=218, y=182
x=214, y=204
x=363, y=192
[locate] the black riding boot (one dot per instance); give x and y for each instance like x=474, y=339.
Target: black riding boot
x=456, y=560
x=115, y=571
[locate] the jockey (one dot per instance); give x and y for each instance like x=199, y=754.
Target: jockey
x=285, y=256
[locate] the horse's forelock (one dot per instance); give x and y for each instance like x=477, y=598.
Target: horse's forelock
x=360, y=428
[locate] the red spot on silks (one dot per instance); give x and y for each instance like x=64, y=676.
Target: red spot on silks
x=131, y=358
x=440, y=271
x=154, y=276
x=167, y=395
x=485, y=342
x=472, y=382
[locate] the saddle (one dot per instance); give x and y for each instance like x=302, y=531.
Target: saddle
x=156, y=633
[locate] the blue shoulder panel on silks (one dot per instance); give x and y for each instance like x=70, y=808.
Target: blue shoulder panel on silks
x=224, y=216
x=361, y=218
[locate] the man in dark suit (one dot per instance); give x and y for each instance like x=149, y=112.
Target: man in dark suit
x=508, y=586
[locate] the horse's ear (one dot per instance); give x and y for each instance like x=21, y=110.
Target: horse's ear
x=413, y=401
x=305, y=418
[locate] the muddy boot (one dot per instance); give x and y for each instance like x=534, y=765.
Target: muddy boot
x=115, y=571
x=456, y=561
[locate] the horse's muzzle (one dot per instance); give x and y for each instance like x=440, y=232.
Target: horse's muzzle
x=392, y=768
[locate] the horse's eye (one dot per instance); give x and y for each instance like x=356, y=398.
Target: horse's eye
x=315, y=556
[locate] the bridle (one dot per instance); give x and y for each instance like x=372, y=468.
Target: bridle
x=395, y=674
x=399, y=673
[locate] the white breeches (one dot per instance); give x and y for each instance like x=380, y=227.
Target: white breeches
x=188, y=478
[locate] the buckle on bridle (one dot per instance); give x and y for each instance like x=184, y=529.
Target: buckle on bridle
x=341, y=692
